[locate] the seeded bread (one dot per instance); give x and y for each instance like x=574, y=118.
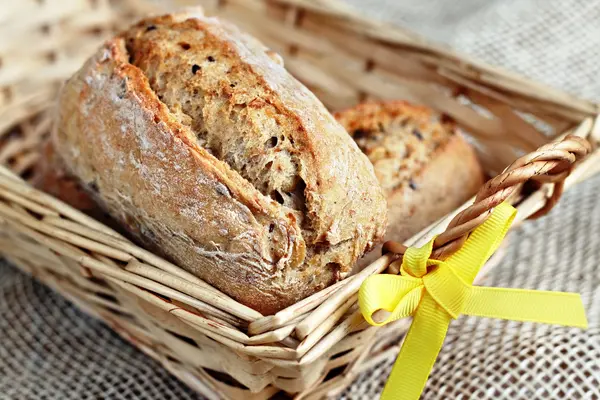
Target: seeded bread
x=424, y=165
x=195, y=137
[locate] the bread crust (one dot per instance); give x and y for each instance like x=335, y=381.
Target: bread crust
x=431, y=172
x=451, y=177
x=147, y=168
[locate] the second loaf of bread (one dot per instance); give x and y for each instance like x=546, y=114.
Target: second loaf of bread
x=422, y=161
x=195, y=137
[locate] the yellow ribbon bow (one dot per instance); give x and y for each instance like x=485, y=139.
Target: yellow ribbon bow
x=435, y=292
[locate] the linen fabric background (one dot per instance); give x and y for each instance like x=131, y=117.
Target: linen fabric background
x=51, y=350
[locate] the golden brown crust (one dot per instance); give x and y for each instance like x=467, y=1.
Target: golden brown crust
x=424, y=164
x=208, y=214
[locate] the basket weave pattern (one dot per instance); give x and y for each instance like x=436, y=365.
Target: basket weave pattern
x=214, y=344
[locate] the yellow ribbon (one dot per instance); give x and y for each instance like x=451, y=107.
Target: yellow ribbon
x=435, y=292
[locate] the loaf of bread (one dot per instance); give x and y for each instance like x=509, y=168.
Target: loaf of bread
x=195, y=137
x=425, y=166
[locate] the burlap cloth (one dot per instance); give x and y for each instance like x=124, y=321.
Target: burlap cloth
x=50, y=350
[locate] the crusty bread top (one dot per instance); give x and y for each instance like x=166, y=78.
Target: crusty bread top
x=291, y=149
x=197, y=138
x=399, y=138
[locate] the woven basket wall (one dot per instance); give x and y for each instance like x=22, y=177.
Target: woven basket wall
x=222, y=349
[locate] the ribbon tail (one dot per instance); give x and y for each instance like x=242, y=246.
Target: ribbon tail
x=546, y=307
x=419, y=352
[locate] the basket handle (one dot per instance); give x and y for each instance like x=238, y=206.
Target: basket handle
x=551, y=163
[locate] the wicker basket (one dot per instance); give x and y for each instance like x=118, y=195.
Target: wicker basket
x=219, y=347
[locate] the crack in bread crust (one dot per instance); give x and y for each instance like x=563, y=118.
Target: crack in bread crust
x=152, y=173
